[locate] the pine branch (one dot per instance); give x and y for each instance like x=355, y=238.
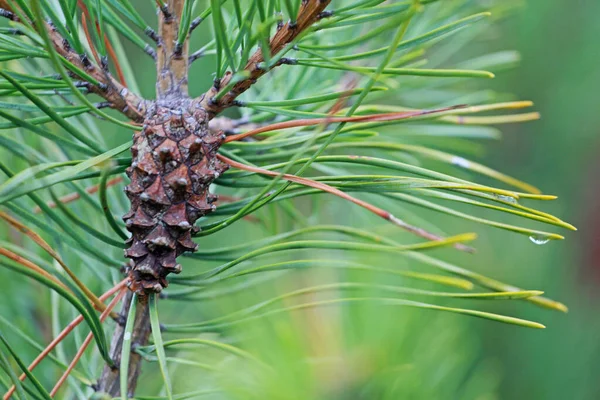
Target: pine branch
x=109, y=382
x=309, y=13
x=172, y=64
x=120, y=98
x=171, y=87
x=177, y=153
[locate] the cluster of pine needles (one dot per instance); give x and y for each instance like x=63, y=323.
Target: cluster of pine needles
x=307, y=95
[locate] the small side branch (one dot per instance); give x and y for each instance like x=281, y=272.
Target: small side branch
x=128, y=103
x=110, y=381
x=172, y=60
x=454, y=241
x=69, y=328
x=113, y=91
x=310, y=12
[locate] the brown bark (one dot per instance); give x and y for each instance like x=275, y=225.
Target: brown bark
x=107, y=87
x=120, y=98
x=110, y=381
x=309, y=12
x=172, y=62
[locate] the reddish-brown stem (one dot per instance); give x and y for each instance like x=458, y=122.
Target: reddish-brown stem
x=74, y=196
x=89, y=37
x=86, y=343
x=329, y=189
x=29, y=265
x=115, y=60
x=44, y=245
x=59, y=338
x=328, y=120
x=308, y=182
x=111, y=52
x=308, y=14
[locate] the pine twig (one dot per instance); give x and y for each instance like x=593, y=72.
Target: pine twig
x=59, y=338
x=172, y=62
x=309, y=13
x=171, y=88
x=121, y=99
x=86, y=343
x=109, y=382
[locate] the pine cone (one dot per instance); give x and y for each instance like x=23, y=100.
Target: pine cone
x=173, y=164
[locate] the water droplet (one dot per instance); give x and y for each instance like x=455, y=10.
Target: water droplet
x=508, y=199
x=461, y=162
x=539, y=240
x=127, y=336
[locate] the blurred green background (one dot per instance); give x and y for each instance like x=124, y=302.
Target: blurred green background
x=560, y=153
x=372, y=352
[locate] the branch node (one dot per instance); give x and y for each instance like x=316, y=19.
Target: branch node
x=50, y=24
x=104, y=63
x=288, y=61
x=325, y=14
x=85, y=61
x=151, y=33
x=8, y=14
x=103, y=104
x=82, y=84
x=166, y=13
x=178, y=51
x=194, y=56
x=194, y=24
x=66, y=44
x=150, y=51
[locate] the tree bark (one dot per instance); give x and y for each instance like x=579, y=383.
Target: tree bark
x=110, y=381
x=172, y=61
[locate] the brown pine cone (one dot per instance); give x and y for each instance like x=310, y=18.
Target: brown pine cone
x=173, y=164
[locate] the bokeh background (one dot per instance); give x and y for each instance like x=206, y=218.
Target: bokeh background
x=370, y=352
x=560, y=153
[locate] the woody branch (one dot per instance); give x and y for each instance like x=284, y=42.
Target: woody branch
x=309, y=13
x=171, y=86
x=172, y=63
x=107, y=87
